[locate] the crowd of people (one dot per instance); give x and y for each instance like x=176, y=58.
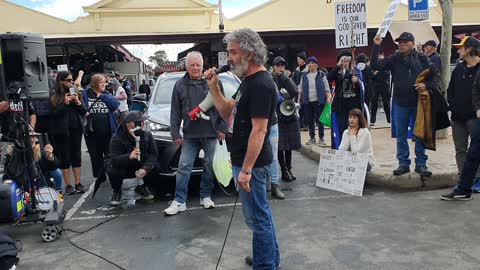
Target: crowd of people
x=260, y=130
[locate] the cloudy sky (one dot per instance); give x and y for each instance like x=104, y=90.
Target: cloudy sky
x=70, y=10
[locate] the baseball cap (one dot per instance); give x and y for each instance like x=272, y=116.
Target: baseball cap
x=135, y=116
x=431, y=43
x=279, y=59
x=468, y=42
x=405, y=36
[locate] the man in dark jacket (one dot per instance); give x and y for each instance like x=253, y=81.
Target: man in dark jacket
x=380, y=87
x=128, y=161
x=144, y=89
x=463, y=191
x=297, y=77
x=405, y=65
x=189, y=92
x=460, y=99
x=430, y=49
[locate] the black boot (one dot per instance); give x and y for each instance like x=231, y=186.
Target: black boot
x=286, y=176
x=291, y=174
x=277, y=193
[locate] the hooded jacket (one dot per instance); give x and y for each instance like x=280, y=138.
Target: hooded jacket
x=476, y=92
x=187, y=94
x=460, y=90
x=122, y=145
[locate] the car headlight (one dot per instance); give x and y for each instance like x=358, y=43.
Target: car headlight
x=157, y=127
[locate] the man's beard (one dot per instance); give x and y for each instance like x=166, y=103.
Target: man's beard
x=240, y=70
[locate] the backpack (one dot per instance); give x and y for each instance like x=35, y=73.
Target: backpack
x=8, y=252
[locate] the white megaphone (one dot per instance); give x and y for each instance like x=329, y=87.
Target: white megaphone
x=287, y=107
x=200, y=110
x=207, y=103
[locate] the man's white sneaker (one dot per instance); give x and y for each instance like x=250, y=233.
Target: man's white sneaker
x=207, y=203
x=174, y=208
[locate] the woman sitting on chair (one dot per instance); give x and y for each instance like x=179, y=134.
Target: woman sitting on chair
x=357, y=137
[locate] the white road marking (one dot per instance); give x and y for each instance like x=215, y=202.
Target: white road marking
x=339, y=196
x=79, y=202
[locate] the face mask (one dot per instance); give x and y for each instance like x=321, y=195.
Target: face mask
x=361, y=66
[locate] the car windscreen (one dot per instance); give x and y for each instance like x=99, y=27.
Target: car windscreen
x=164, y=90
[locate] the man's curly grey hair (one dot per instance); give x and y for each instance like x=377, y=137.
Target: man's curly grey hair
x=249, y=41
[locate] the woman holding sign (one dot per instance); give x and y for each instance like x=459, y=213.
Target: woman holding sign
x=357, y=137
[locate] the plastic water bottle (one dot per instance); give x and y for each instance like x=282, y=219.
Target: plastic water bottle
x=128, y=188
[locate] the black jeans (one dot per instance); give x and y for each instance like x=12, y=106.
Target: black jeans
x=473, y=160
x=313, y=110
x=377, y=92
x=285, y=159
x=98, y=147
x=116, y=176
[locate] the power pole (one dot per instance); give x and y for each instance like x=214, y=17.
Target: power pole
x=445, y=49
x=446, y=43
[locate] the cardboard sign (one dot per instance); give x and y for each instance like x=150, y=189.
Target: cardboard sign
x=342, y=171
x=62, y=67
x=351, y=24
x=222, y=59
x=387, y=20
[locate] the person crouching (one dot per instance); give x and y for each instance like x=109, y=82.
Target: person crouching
x=127, y=161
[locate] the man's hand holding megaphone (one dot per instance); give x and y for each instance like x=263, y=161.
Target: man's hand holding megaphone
x=212, y=79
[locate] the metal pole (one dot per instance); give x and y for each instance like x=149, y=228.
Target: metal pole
x=221, y=26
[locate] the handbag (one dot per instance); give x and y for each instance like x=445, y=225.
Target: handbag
x=326, y=117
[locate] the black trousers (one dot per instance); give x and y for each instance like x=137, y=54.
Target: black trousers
x=68, y=148
x=384, y=93
x=285, y=159
x=116, y=176
x=98, y=147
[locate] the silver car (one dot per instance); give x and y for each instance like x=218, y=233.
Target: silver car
x=159, y=120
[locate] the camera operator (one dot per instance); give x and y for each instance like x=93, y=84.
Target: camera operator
x=128, y=161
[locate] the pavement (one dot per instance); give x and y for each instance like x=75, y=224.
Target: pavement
x=441, y=162
x=316, y=229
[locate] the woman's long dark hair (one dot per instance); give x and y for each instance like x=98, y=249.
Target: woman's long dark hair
x=58, y=96
x=362, y=122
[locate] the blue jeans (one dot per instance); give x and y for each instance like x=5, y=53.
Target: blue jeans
x=273, y=168
x=402, y=119
x=258, y=217
x=190, y=150
x=58, y=178
x=472, y=162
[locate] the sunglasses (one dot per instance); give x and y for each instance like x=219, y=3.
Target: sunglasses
x=68, y=80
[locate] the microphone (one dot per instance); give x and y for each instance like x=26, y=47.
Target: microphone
x=207, y=103
x=223, y=69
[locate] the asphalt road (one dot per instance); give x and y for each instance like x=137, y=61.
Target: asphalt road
x=316, y=229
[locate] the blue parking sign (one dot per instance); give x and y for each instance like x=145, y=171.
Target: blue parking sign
x=418, y=10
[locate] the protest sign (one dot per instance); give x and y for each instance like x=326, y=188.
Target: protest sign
x=342, y=171
x=351, y=24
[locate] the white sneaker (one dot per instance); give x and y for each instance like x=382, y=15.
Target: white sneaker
x=207, y=203
x=174, y=208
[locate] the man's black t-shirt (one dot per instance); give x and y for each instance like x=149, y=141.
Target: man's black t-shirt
x=256, y=98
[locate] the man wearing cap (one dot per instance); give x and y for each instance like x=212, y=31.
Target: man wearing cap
x=297, y=77
x=313, y=93
x=128, y=161
x=465, y=85
x=430, y=49
x=406, y=64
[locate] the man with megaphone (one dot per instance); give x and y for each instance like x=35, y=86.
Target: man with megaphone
x=288, y=125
